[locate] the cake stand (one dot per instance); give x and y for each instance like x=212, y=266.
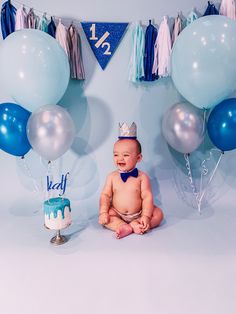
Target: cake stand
x=59, y=239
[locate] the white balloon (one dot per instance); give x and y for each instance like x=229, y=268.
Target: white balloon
x=50, y=131
x=183, y=127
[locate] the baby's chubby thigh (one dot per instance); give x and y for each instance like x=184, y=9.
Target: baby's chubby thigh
x=113, y=212
x=115, y=222
x=157, y=217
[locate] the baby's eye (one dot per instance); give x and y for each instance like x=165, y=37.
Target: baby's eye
x=126, y=155
x=115, y=155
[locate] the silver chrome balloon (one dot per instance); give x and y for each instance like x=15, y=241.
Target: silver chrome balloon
x=50, y=131
x=183, y=127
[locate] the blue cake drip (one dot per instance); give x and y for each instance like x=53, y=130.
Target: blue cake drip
x=53, y=205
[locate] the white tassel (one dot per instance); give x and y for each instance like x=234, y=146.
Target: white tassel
x=227, y=8
x=61, y=36
x=163, y=50
x=21, y=18
x=177, y=29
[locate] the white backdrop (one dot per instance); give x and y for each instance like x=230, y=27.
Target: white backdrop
x=185, y=266
x=97, y=106
x=100, y=103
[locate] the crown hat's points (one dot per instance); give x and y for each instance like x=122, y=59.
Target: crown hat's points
x=126, y=132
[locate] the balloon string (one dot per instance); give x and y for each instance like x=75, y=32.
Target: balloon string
x=204, y=120
x=204, y=172
x=50, y=176
x=204, y=169
x=180, y=189
x=36, y=190
x=189, y=173
x=72, y=171
x=66, y=177
x=30, y=174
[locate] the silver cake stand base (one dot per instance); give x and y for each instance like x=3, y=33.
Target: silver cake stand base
x=58, y=239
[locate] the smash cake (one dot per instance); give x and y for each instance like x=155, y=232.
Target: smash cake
x=57, y=213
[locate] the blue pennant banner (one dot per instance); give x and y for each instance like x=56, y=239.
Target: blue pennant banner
x=104, y=38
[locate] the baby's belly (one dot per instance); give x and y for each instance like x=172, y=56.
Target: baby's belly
x=127, y=202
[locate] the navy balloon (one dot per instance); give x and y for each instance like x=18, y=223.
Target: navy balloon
x=13, y=121
x=221, y=125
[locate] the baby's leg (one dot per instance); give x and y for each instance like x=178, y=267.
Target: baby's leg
x=157, y=217
x=118, y=225
x=137, y=226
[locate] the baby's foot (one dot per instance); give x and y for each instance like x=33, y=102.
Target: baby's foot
x=137, y=228
x=123, y=231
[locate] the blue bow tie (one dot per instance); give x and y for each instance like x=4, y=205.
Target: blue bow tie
x=125, y=175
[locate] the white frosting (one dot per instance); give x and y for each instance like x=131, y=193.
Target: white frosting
x=58, y=223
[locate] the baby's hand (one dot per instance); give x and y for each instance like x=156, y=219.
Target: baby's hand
x=145, y=222
x=104, y=218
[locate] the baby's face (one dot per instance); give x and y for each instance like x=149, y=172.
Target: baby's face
x=126, y=155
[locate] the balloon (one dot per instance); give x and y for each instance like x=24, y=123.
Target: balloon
x=183, y=127
x=34, y=69
x=203, y=60
x=13, y=138
x=50, y=131
x=221, y=125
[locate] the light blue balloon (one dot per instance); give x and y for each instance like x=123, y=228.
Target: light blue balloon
x=203, y=60
x=34, y=69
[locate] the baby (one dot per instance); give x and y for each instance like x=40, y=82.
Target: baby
x=126, y=202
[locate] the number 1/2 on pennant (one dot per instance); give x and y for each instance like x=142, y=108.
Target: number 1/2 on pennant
x=104, y=38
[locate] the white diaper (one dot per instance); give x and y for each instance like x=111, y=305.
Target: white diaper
x=128, y=217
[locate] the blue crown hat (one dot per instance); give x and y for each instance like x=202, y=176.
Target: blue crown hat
x=126, y=132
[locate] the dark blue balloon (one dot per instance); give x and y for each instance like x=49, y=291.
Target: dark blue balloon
x=221, y=125
x=13, y=121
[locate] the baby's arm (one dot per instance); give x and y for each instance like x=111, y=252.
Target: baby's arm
x=147, y=201
x=105, y=201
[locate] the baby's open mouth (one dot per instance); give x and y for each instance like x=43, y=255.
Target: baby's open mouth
x=121, y=164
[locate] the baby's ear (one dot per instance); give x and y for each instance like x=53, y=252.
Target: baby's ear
x=140, y=157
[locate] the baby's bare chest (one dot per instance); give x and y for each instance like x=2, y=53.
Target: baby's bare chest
x=132, y=185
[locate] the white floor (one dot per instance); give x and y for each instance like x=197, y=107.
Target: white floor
x=186, y=266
